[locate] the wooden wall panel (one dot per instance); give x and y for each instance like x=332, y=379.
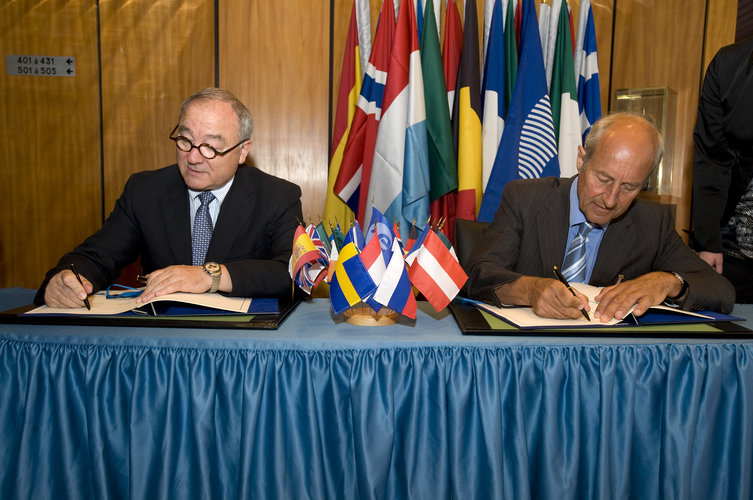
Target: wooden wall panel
x=50, y=157
x=720, y=27
x=274, y=56
x=650, y=50
x=154, y=55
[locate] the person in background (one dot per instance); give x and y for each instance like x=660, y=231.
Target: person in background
x=593, y=228
x=208, y=223
x=723, y=168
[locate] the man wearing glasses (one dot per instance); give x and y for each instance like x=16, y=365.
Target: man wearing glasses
x=207, y=224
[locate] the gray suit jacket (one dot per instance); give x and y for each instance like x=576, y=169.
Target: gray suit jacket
x=529, y=234
x=253, y=235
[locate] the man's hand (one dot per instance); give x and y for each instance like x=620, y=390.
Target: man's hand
x=715, y=260
x=64, y=290
x=547, y=297
x=191, y=279
x=645, y=291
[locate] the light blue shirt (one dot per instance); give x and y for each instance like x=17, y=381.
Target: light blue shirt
x=593, y=240
x=214, y=205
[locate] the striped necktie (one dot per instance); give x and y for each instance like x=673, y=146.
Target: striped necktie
x=574, y=267
x=202, y=229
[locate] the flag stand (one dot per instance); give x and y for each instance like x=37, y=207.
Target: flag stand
x=363, y=315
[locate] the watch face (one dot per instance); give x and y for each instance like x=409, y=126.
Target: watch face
x=212, y=267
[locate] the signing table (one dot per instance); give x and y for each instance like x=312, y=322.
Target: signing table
x=323, y=409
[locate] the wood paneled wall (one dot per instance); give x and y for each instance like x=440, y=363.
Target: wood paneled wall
x=50, y=138
x=69, y=144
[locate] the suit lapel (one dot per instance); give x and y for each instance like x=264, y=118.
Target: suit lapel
x=234, y=214
x=552, y=224
x=174, y=208
x=614, y=250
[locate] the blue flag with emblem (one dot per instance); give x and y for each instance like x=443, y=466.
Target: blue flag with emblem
x=528, y=147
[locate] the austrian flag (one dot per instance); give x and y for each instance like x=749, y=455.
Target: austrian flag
x=435, y=271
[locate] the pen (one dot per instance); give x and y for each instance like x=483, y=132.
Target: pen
x=78, y=277
x=564, y=282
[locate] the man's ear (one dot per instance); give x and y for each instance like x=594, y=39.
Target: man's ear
x=581, y=156
x=244, y=152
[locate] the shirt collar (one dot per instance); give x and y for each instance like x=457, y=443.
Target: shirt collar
x=219, y=193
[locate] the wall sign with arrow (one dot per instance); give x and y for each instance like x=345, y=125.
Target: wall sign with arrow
x=24, y=65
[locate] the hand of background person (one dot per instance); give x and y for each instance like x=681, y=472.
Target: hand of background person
x=714, y=259
x=64, y=290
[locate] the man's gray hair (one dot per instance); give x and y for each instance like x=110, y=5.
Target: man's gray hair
x=245, y=123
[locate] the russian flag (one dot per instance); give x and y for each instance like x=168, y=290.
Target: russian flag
x=399, y=183
x=395, y=290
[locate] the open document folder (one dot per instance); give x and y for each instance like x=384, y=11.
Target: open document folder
x=524, y=317
x=179, y=303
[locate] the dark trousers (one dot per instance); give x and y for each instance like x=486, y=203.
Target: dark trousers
x=740, y=274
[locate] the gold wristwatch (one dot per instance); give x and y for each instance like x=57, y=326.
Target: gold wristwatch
x=214, y=270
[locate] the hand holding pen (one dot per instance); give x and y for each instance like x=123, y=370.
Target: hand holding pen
x=564, y=282
x=78, y=277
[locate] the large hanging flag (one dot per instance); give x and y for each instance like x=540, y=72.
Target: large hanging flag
x=445, y=205
x=441, y=154
x=351, y=78
x=511, y=52
x=466, y=117
x=565, y=116
x=528, y=148
x=493, y=93
x=587, y=70
x=451, y=50
x=549, y=12
x=358, y=154
x=399, y=184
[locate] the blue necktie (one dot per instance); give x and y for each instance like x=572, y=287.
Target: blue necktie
x=202, y=229
x=574, y=267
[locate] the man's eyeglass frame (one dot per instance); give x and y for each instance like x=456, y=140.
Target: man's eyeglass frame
x=206, y=150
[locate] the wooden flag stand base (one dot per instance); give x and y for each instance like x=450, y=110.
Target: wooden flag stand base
x=363, y=315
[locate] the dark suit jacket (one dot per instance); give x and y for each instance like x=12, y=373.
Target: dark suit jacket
x=723, y=143
x=529, y=234
x=253, y=234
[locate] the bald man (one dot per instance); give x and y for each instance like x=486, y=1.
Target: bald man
x=629, y=246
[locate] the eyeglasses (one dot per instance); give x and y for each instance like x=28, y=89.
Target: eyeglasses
x=207, y=151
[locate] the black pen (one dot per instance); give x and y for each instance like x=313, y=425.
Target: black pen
x=78, y=277
x=564, y=282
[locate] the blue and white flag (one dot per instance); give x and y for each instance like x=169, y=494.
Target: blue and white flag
x=400, y=172
x=493, y=93
x=380, y=227
x=395, y=290
x=587, y=70
x=528, y=148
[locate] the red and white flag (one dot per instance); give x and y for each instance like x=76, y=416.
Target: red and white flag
x=435, y=271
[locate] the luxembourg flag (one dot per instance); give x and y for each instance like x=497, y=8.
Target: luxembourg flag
x=399, y=184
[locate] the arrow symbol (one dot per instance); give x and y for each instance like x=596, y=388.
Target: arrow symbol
x=70, y=71
x=69, y=61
